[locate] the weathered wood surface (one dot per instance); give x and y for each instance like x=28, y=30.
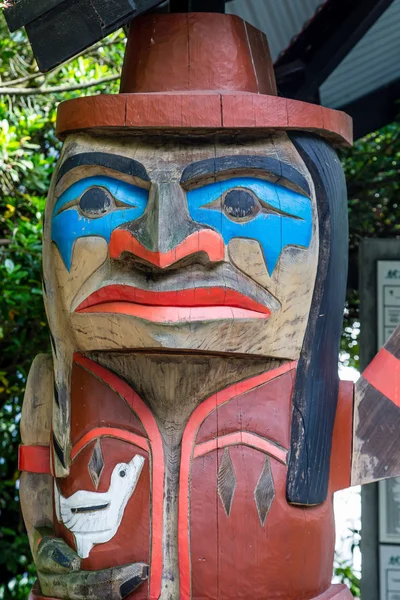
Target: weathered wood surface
x=316, y=393
x=237, y=57
x=377, y=417
x=173, y=385
x=36, y=488
x=296, y=268
x=184, y=353
x=194, y=285
x=194, y=110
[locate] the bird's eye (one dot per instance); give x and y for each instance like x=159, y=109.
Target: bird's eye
x=240, y=205
x=95, y=202
x=122, y=473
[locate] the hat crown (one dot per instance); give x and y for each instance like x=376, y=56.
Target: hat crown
x=191, y=52
x=198, y=72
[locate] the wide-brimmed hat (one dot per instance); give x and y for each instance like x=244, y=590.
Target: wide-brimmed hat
x=198, y=72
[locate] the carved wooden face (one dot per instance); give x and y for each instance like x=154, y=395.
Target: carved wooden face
x=189, y=245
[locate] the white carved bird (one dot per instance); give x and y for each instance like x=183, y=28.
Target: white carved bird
x=94, y=517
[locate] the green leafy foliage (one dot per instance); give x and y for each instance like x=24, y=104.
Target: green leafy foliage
x=28, y=151
x=343, y=569
x=372, y=169
x=345, y=574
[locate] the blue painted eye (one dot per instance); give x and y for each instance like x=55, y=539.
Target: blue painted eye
x=94, y=206
x=240, y=205
x=256, y=209
x=96, y=202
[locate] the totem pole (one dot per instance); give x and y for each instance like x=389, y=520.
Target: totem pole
x=185, y=439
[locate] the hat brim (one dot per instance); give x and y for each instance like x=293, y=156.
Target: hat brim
x=202, y=111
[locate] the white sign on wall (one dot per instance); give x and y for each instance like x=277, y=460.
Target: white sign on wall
x=389, y=511
x=388, y=299
x=389, y=572
x=388, y=291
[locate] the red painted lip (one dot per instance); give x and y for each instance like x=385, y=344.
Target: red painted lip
x=182, y=305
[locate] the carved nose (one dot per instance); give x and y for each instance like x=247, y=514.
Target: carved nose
x=165, y=233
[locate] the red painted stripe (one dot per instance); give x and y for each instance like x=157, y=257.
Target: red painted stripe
x=205, y=240
x=120, y=434
x=191, y=298
x=171, y=314
x=242, y=437
x=242, y=110
x=157, y=453
x=384, y=374
x=34, y=459
x=189, y=436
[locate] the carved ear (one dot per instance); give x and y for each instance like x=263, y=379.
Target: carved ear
x=317, y=382
x=377, y=417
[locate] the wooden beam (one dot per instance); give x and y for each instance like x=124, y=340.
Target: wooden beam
x=385, y=103
x=323, y=44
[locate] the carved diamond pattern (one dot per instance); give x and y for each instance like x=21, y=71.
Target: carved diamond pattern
x=264, y=493
x=96, y=464
x=226, y=482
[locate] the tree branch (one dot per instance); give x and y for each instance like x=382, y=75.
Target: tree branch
x=10, y=91
x=50, y=75
x=23, y=79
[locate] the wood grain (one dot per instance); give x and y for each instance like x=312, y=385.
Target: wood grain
x=35, y=488
x=226, y=482
x=317, y=383
x=185, y=111
x=342, y=441
x=35, y=423
x=206, y=403
x=93, y=381
x=173, y=385
x=377, y=417
x=264, y=492
x=196, y=51
x=292, y=271
x=36, y=498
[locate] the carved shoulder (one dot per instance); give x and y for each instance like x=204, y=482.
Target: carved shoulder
x=37, y=406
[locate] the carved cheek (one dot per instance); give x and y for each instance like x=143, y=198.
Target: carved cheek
x=247, y=256
x=88, y=255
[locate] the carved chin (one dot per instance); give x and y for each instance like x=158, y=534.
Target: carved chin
x=101, y=331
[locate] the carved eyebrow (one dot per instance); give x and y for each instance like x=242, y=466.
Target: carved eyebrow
x=281, y=171
x=122, y=164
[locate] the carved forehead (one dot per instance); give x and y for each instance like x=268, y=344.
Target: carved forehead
x=167, y=157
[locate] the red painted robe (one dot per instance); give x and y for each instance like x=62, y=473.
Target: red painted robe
x=238, y=536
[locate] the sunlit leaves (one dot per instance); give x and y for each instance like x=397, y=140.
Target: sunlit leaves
x=372, y=169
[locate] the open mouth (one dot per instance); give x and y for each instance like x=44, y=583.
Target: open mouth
x=194, y=304
x=85, y=509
